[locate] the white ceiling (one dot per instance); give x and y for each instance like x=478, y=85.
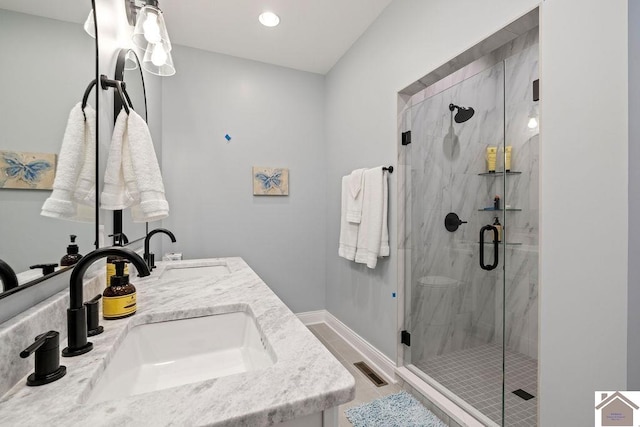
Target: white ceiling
x=312, y=35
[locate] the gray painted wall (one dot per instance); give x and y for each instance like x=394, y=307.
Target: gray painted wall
x=633, y=357
x=275, y=118
x=583, y=304
x=408, y=40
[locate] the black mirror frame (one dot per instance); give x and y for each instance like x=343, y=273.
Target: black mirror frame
x=117, y=106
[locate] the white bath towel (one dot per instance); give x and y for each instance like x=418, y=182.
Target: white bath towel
x=348, y=230
x=133, y=176
x=373, y=235
x=73, y=195
x=354, y=201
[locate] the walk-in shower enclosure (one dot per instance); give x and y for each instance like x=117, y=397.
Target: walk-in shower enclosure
x=473, y=329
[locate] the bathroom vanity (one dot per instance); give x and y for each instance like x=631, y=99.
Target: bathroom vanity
x=154, y=368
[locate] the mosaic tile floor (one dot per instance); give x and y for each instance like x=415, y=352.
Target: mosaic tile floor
x=475, y=375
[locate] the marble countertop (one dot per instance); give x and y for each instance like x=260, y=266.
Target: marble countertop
x=304, y=380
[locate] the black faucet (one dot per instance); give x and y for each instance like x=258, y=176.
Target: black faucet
x=149, y=257
x=8, y=276
x=76, y=313
x=119, y=239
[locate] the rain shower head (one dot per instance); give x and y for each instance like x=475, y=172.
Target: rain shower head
x=463, y=114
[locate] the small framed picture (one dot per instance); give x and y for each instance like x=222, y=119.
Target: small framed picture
x=27, y=171
x=270, y=181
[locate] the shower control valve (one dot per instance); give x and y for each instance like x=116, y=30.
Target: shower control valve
x=452, y=222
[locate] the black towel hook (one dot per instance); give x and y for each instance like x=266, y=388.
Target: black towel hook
x=85, y=97
x=107, y=83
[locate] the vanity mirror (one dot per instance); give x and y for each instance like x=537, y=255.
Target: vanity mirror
x=48, y=61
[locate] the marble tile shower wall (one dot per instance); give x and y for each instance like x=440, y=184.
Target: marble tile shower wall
x=453, y=303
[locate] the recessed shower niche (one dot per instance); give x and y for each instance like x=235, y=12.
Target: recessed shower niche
x=471, y=291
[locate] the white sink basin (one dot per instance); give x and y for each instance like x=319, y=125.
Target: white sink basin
x=209, y=269
x=157, y=356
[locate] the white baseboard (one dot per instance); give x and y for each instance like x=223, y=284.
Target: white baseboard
x=374, y=357
x=313, y=317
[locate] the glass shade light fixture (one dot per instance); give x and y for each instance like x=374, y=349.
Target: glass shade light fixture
x=157, y=60
x=90, y=25
x=150, y=34
x=130, y=61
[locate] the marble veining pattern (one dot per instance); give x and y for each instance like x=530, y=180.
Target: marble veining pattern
x=305, y=378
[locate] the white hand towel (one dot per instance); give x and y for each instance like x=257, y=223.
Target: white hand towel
x=354, y=201
x=133, y=176
x=115, y=193
x=85, y=193
x=373, y=235
x=348, y=230
x=73, y=185
x=152, y=205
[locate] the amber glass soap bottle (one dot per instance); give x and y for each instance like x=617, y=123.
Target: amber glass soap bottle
x=119, y=298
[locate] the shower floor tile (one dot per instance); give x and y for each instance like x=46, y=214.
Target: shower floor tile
x=475, y=375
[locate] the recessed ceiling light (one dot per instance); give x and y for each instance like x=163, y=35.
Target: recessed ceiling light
x=269, y=19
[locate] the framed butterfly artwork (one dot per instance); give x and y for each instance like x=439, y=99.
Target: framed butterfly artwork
x=270, y=181
x=27, y=171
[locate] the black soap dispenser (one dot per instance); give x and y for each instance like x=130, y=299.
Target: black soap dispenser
x=119, y=298
x=72, y=255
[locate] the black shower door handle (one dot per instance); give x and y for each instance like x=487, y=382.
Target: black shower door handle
x=495, y=248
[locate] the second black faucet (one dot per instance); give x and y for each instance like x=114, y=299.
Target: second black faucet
x=148, y=256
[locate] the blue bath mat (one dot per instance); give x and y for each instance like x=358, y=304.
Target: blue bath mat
x=396, y=410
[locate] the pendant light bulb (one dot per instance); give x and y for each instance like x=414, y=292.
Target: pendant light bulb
x=151, y=28
x=159, y=55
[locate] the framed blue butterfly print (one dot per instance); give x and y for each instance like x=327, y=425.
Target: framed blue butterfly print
x=270, y=181
x=27, y=171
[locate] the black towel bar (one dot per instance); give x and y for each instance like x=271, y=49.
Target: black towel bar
x=390, y=169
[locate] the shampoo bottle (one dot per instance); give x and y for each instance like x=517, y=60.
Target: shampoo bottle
x=119, y=299
x=491, y=159
x=498, y=226
x=507, y=158
x=72, y=255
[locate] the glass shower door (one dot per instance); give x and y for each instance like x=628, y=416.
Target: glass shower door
x=455, y=282
x=473, y=327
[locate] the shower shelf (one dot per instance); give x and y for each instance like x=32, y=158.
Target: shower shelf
x=499, y=210
x=499, y=173
x=501, y=243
